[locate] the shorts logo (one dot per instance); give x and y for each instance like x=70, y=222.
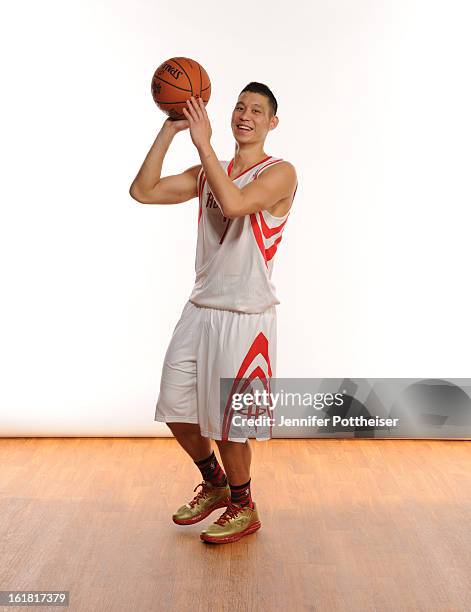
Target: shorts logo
x=258, y=347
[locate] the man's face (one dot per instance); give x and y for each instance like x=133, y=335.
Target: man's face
x=252, y=118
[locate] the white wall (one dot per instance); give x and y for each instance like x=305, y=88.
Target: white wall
x=373, y=270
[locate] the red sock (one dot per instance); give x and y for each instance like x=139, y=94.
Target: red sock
x=211, y=471
x=241, y=495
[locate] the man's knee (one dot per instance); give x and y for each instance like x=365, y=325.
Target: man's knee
x=229, y=445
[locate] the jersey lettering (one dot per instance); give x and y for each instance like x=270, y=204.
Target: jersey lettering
x=211, y=202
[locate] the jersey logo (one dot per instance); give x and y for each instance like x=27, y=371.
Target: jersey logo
x=211, y=202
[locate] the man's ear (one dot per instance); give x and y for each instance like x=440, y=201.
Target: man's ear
x=273, y=122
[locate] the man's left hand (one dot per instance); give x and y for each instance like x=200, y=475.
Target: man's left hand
x=200, y=127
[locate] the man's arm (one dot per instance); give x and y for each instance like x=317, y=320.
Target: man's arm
x=276, y=183
x=149, y=188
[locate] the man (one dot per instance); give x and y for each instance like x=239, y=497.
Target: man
x=228, y=326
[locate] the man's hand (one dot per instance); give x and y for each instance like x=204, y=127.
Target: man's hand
x=175, y=125
x=200, y=127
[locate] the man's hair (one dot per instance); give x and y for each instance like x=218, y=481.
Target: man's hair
x=260, y=88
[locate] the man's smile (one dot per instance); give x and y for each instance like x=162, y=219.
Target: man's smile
x=243, y=128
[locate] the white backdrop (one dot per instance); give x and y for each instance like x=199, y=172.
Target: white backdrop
x=373, y=269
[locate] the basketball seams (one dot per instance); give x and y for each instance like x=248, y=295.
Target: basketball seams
x=171, y=84
x=186, y=73
x=167, y=94
x=174, y=64
x=172, y=102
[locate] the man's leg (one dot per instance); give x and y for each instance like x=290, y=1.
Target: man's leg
x=241, y=516
x=236, y=458
x=189, y=437
x=199, y=448
x=215, y=491
x=177, y=406
x=237, y=346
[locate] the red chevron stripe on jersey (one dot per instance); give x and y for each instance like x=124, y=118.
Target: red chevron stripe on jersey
x=270, y=252
x=267, y=231
x=258, y=347
x=258, y=236
x=267, y=252
x=270, y=231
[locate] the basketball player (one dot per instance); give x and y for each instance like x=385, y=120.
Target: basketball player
x=228, y=326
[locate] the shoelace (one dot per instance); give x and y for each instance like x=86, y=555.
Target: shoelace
x=231, y=512
x=200, y=494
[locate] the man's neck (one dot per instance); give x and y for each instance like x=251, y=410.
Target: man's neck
x=246, y=157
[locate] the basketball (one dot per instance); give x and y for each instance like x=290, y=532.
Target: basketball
x=175, y=81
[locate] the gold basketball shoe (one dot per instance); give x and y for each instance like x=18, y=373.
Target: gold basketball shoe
x=233, y=524
x=208, y=499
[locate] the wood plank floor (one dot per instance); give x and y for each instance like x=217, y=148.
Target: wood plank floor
x=381, y=525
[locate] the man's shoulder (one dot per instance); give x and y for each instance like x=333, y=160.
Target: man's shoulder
x=285, y=165
x=279, y=167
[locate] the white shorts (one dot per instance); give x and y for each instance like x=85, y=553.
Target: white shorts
x=207, y=345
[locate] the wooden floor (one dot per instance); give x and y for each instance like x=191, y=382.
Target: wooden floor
x=381, y=525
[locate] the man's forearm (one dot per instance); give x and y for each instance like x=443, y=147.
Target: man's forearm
x=223, y=189
x=151, y=169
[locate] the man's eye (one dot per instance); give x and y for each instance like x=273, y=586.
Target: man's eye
x=256, y=111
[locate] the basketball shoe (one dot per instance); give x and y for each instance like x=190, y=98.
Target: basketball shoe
x=208, y=499
x=233, y=524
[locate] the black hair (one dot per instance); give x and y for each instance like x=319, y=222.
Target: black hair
x=260, y=88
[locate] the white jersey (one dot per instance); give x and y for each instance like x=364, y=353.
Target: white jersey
x=234, y=257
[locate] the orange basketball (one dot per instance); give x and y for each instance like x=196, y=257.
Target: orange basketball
x=175, y=81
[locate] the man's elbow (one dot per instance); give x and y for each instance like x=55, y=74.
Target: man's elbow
x=229, y=213
x=136, y=195
x=232, y=210
x=132, y=193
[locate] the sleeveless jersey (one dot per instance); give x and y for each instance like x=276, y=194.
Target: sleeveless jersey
x=234, y=257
